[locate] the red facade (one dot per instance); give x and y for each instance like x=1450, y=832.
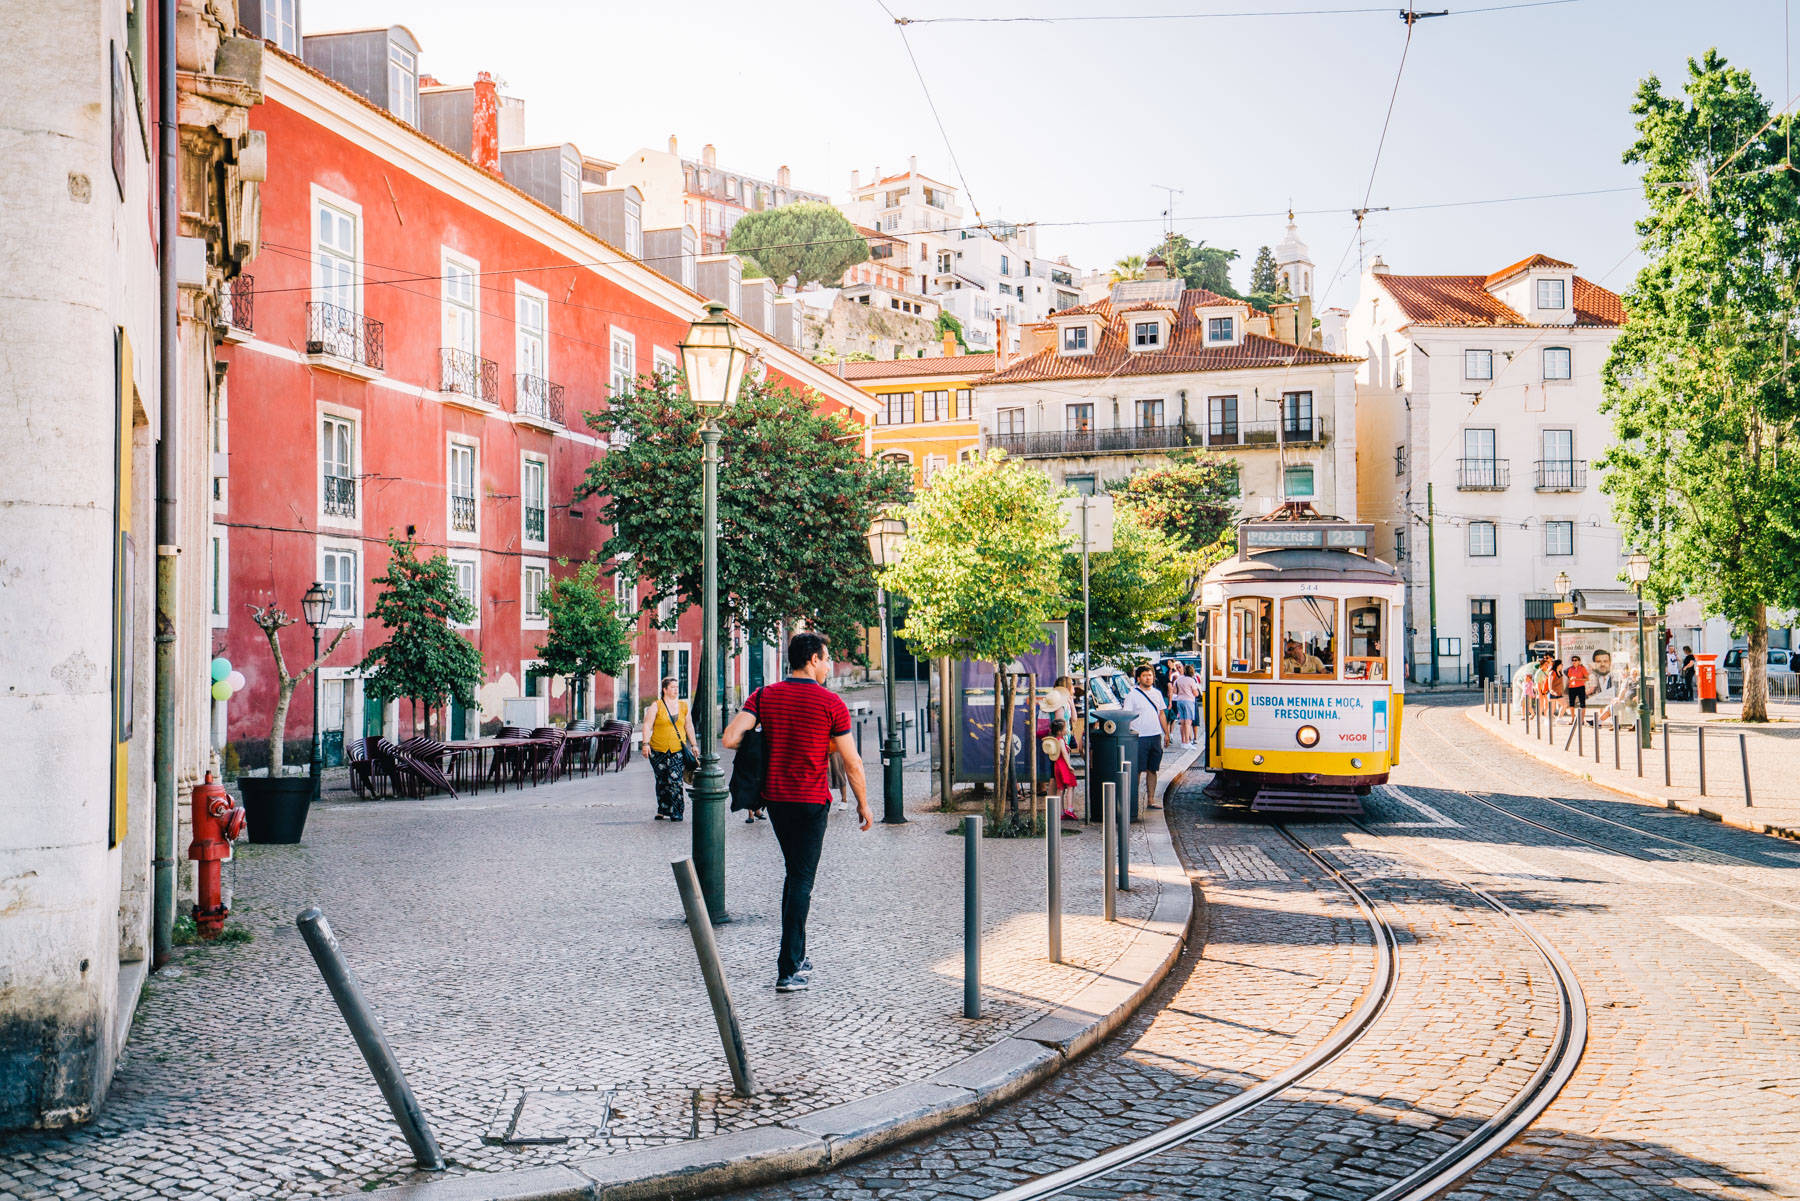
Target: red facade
x=341, y=433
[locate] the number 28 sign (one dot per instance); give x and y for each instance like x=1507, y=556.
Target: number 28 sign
x=1236, y=713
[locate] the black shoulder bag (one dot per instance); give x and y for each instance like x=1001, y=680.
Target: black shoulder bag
x=748, y=768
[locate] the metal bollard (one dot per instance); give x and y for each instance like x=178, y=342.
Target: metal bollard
x=699, y=924
x=1596, y=739
x=1053, y=891
x=1744, y=758
x=1110, y=823
x=365, y=1027
x=1580, y=733
x=1508, y=695
x=1124, y=814
x=1574, y=728
x=971, y=917
x=1616, y=742
x=1667, y=733
x=1700, y=741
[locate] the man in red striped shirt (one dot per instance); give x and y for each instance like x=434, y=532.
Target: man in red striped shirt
x=802, y=721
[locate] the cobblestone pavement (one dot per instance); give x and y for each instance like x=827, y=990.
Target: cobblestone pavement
x=1689, y=956
x=527, y=954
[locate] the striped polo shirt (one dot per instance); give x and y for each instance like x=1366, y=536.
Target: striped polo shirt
x=799, y=719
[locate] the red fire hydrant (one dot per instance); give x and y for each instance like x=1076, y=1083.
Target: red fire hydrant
x=218, y=820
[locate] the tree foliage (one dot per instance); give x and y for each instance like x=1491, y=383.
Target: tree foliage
x=1139, y=593
x=1703, y=381
x=1128, y=268
x=796, y=497
x=586, y=631
x=803, y=243
x=1191, y=501
x=423, y=660
x=1198, y=265
x=948, y=324
x=1263, y=277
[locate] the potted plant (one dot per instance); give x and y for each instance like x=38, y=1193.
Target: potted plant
x=276, y=804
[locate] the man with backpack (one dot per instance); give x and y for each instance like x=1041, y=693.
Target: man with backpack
x=802, y=723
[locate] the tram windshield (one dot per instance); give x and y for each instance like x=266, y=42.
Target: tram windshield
x=1366, y=657
x=1308, y=638
x=1248, y=640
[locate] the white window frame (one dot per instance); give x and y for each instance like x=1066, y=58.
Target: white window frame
x=527, y=460
x=1146, y=335
x=1549, y=551
x=1212, y=338
x=1077, y=339
x=627, y=340
x=344, y=207
x=525, y=296
x=284, y=33
x=935, y=464
x=350, y=417
x=406, y=62
x=664, y=361
x=1492, y=543
x=452, y=443
x=1312, y=475
x=460, y=559
x=1562, y=293
x=625, y=587
x=1469, y=364
x=571, y=190
x=684, y=682
x=527, y=619
x=218, y=576
x=472, y=309
x=1568, y=362
x=335, y=616
x=1014, y=417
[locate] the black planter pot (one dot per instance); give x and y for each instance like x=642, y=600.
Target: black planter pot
x=275, y=809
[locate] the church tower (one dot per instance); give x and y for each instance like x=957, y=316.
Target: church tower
x=1293, y=262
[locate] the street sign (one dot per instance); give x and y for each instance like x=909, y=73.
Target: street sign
x=1099, y=522
x=1563, y=609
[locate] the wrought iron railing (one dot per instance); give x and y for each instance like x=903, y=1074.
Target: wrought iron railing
x=538, y=397
x=1264, y=433
x=1483, y=475
x=468, y=374
x=462, y=513
x=340, y=496
x=1561, y=475
x=534, y=524
x=1051, y=443
x=240, y=303
x=344, y=334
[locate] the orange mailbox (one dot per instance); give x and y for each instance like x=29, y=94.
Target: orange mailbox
x=1706, y=677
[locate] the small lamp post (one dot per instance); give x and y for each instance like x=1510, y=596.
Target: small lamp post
x=886, y=537
x=712, y=363
x=315, y=606
x=1637, y=570
x=1562, y=584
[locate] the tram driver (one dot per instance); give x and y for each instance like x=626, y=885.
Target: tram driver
x=1298, y=660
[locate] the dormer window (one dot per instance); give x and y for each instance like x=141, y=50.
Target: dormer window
x=1551, y=294
x=403, y=85
x=1075, y=339
x=1146, y=334
x=1219, y=329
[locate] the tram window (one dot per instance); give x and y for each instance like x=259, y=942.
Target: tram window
x=1366, y=657
x=1215, y=625
x=1308, y=638
x=1251, y=618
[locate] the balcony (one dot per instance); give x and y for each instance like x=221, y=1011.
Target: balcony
x=239, y=309
x=1049, y=444
x=462, y=514
x=1483, y=475
x=537, y=401
x=1305, y=432
x=1561, y=475
x=534, y=524
x=468, y=380
x=340, y=496
x=343, y=340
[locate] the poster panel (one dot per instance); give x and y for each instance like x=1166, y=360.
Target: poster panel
x=975, y=699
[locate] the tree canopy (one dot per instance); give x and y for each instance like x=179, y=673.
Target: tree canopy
x=1198, y=265
x=803, y=243
x=423, y=660
x=1703, y=382
x=1263, y=277
x=1191, y=501
x=1128, y=268
x=585, y=632
x=796, y=498
x=1139, y=592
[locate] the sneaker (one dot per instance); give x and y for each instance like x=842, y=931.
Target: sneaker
x=805, y=967
x=1068, y=815
x=840, y=806
x=794, y=983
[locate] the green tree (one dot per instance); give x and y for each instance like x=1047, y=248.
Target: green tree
x=1198, y=265
x=1262, y=273
x=1128, y=268
x=948, y=324
x=423, y=659
x=1138, y=592
x=586, y=631
x=801, y=244
x=796, y=497
x=1192, y=501
x=1703, y=382
x=982, y=569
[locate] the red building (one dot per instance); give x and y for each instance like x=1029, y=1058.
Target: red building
x=428, y=325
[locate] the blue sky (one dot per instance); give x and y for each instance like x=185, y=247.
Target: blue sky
x=1073, y=124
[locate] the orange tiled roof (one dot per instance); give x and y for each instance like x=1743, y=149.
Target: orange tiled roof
x=940, y=365
x=1187, y=349
x=1465, y=300
x=1526, y=264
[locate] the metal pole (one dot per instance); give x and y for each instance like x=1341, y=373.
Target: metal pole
x=731, y=1035
x=1087, y=679
x=1615, y=742
x=1031, y=741
x=1507, y=693
x=972, y=917
x=893, y=749
x=366, y=1029
x=1666, y=779
x=318, y=745
x=1575, y=720
x=1108, y=804
x=709, y=781
x=1744, y=758
x=1644, y=677
x=168, y=486
x=1122, y=812
x=1571, y=738
x=1700, y=741
x=1431, y=569
x=1053, y=891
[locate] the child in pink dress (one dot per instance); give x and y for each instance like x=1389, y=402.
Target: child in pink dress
x=1056, y=749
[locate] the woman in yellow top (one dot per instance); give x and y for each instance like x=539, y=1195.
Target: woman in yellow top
x=667, y=727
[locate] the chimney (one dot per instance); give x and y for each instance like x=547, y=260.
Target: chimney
x=1002, y=344
x=1155, y=268
x=1378, y=267
x=949, y=344
x=782, y=176
x=912, y=164
x=484, y=141
x=855, y=180
x=429, y=80
x=708, y=155
x=671, y=143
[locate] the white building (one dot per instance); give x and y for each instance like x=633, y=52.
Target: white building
x=1479, y=409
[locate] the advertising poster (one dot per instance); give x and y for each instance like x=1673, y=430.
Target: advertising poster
x=974, y=694
x=1264, y=717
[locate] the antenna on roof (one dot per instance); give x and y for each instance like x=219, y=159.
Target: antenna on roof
x=1169, y=212
x=1359, y=214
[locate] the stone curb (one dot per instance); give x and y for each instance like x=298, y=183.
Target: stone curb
x=1657, y=799
x=836, y=1135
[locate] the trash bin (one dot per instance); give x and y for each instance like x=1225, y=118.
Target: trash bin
x=1112, y=756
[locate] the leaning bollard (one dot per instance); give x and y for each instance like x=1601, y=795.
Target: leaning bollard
x=1574, y=727
x=1700, y=740
x=1668, y=734
x=972, y=917
x=707, y=949
x=365, y=1027
x=1109, y=821
x=1744, y=758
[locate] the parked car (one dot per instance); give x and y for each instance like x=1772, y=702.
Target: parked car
x=1784, y=672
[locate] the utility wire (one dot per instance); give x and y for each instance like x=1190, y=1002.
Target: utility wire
x=1213, y=16
x=900, y=27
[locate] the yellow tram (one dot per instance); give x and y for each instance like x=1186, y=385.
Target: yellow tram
x=1304, y=692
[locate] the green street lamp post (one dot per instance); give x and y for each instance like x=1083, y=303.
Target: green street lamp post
x=314, y=606
x=1637, y=570
x=886, y=537
x=712, y=362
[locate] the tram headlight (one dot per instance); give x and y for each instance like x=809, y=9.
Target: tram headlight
x=1256, y=760
x=1354, y=762
x=1307, y=736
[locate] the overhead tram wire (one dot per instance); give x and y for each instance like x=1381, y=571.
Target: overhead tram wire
x=1218, y=16
x=900, y=28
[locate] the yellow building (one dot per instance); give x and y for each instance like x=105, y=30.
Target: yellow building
x=926, y=412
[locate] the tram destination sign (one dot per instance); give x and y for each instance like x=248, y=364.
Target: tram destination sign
x=1304, y=535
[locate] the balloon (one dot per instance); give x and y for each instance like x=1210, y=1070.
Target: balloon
x=221, y=691
x=236, y=680
x=221, y=668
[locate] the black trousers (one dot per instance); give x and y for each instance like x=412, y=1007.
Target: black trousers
x=800, y=829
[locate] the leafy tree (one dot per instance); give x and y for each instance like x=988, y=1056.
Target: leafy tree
x=948, y=324
x=1128, y=268
x=803, y=243
x=796, y=497
x=1138, y=591
x=271, y=620
x=1263, y=277
x=831, y=358
x=1192, y=501
x=1198, y=265
x=587, y=633
x=423, y=659
x=1703, y=384
x=982, y=570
